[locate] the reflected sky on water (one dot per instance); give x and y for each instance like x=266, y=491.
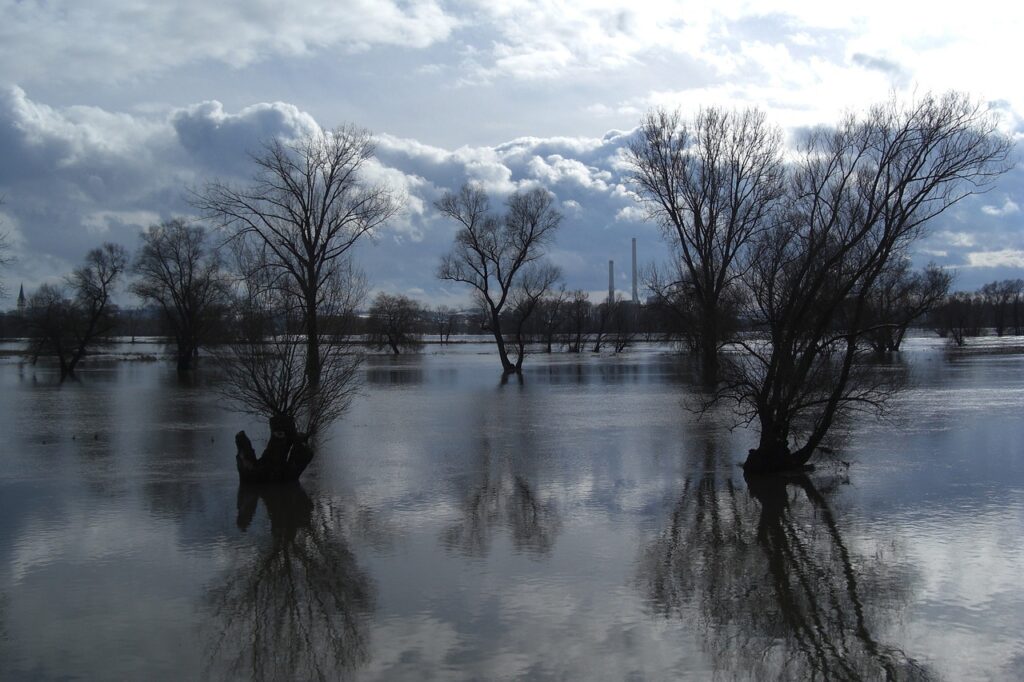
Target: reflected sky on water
x=580, y=524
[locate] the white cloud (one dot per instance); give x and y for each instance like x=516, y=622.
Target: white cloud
x=107, y=39
x=1009, y=207
x=1004, y=258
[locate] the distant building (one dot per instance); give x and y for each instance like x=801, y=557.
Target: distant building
x=21, y=299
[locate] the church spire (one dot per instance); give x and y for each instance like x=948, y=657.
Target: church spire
x=21, y=299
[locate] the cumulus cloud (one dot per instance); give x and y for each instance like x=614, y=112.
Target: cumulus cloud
x=1013, y=258
x=1009, y=207
x=97, y=175
x=76, y=176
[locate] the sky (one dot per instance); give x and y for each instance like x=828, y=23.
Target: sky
x=112, y=110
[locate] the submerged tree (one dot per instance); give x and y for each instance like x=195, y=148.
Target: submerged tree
x=395, y=322
x=859, y=195
x=711, y=184
x=67, y=322
x=497, y=255
x=900, y=298
x=179, y=271
x=266, y=367
x=306, y=207
x=295, y=223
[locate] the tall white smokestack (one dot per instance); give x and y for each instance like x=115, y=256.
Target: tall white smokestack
x=635, y=298
x=611, y=281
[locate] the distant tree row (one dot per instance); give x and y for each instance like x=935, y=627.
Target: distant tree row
x=997, y=306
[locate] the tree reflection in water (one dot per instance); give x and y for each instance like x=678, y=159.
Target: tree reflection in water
x=498, y=495
x=775, y=589
x=292, y=606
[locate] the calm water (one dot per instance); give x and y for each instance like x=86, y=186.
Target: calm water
x=581, y=525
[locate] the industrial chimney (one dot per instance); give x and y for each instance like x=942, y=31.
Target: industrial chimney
x=635, y=298
x=611, y=281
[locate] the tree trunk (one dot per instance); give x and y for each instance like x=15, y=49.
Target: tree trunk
x=773, y=455
x=283, y=460
x=709, y=342
x=506, y=365
x=312, y=342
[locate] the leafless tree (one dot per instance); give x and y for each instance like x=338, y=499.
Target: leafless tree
x=578, y=313
x=959, y=317
x=68, y=326
x=493, y=254
x=306, y=207
x=177, y=270
x=901, y=297
x=444, y=321
x=533, y=285
x=551, y=316
x=266, y=368
x=859, y=195
x=711, y=184
x=395, y=321
x=1004, y=299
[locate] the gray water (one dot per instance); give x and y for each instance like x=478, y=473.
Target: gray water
x=580, y=525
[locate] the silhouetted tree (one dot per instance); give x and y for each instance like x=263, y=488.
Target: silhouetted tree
x=901, y=297
x=307, y=205
x=551, y=316
x=394, y=322
x=578, y=313
x=711, y=184
x=859, y=195
x=177, y=270
x=444, y=321
x=493, y=254
x=532, y=286
x=266, y=368
x=1003, y=299
x=68, y=325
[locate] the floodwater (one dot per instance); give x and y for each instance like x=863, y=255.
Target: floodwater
x=579, y=525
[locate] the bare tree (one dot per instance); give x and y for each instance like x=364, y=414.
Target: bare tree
x=1004, y=298
x=5, y=255
x=532, y=287
x=859, y=195
x=177, y=270
x=306, y=206
x=578, y=313
x=266, y=367
x=901, y=297
x=394, y=323
x=69, y=326
x=444, y=321
x=492, y=253
x=551, y=316
x=711, y=184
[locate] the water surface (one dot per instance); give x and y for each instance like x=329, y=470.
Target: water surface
x=581, y=524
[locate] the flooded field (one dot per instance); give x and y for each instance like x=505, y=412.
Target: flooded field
x=582, y=524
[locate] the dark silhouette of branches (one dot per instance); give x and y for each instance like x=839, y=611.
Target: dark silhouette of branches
x=858, y=196
x=712, y=184
x=67, y=321
x=177, y=270
x=498, y=255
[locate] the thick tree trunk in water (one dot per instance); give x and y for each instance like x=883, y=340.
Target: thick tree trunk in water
x=283, y=460
x=773, y=455
x=709, y=344
x=506, y=365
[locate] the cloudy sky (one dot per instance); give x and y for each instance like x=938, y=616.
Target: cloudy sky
x=111, y=109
